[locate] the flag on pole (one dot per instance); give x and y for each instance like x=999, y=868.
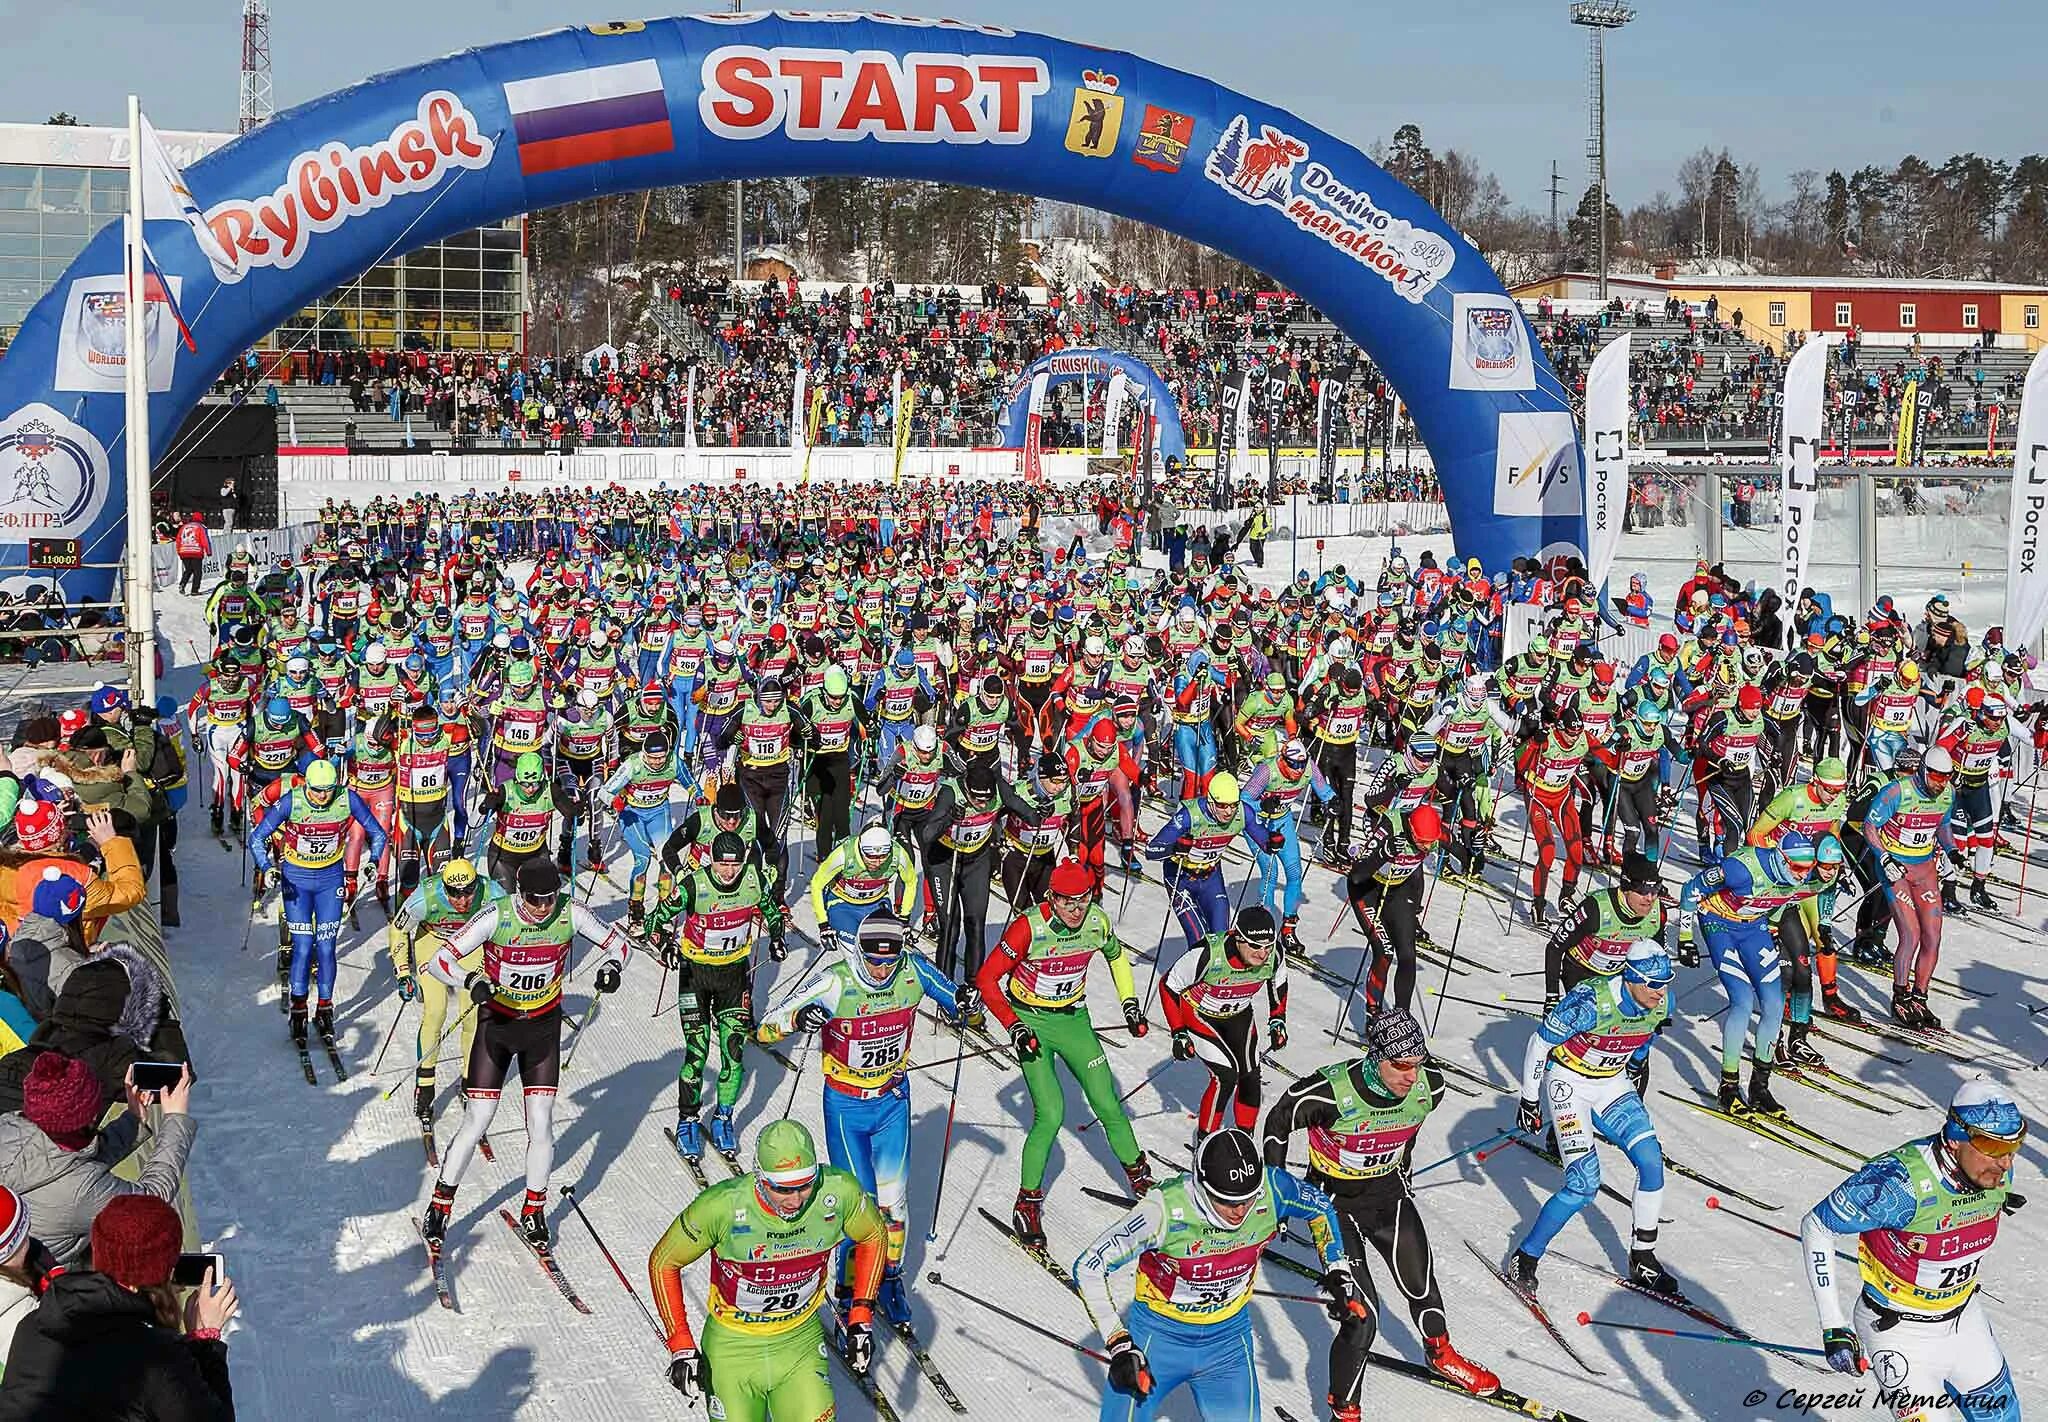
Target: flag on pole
x=165, y=198
x=690, y=428
x=1326, y=440
x=2026, y=569
x=1607, y=454
x=796, y=418
x=1113, y=413
x=1034, y=424
x=811, y=434
x=899, y=419
x=1909, y=416
x=1798, y=445
x=155, y=288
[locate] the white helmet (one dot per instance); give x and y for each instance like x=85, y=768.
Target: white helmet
x=1994, y=671
x=1094, y=646
x=587, y=699
x=297, y=666
x=600, y=639
x=1341, y=648
x=376, y=656
x=1475, y=688
x=1134, y=646
x=1938, y=761
x=503, y=641
x=925, y=739
x=1185, y=615
x=723, y=646
x=873, y=842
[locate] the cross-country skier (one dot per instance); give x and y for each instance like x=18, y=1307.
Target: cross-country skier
x=1208, y=998
x=1362, y=1117
x=429, y=915
x=1925, y=1217
x=1197, y=1241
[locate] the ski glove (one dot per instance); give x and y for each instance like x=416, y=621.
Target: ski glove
x=349, y=885
x=1183, y=1045
x=1129, y=1373
x=408, y=989
x=966, y=1002
x=608, y=978
x=1276, y=1032
x=1893, y=871
x=777, y=949
x=1342, y=1293
x=1845, y=1350
x=686, y=1374
x=812, y=1018
x=1134, y=1018
x=1529, y=1116
x=478, y=987
x=1024, y=1042
x=860, y=1348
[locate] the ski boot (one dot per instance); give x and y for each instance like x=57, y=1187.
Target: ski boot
x=1728, y=1098
x=1949, y=902
x=1026, y=1217
x=893, y=1302
x=214, y=815
x=1831, y=1005
x=423, y=1102
x=384, y=896
x=1290, y=942
x=636, y=916
x=1902, y=1007
x=690, y=1136
x=1343, y=1411
x=1139, y=1174
x=1980, y=897
x=1646, y=1272
x=1521, y=1271
x=235, y=820
x=434, y=1224
x=725, y=1138
x=1539, y=913
x=1761, y=1101
x=562, y=864
x=1797, y=1048
x=284, y=966
x=1446, y=1362
x=591, y=861
x=1924, y=1015
x=323, y=1020
x=533, y=1219
x=297, y=1017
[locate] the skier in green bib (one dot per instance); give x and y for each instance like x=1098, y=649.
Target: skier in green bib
x=771, y=1236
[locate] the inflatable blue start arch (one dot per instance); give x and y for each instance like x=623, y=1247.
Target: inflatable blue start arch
x=304, y=204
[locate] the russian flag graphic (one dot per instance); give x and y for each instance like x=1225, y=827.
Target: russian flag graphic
x=589, y=116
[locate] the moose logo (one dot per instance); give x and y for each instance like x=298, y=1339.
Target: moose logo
x=1255, y=169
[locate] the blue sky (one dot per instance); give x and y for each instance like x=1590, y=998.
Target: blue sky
x=1786, y=84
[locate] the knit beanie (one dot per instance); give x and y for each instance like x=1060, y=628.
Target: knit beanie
x=13, y=1223
x=62, y=1098
x=135, y=1241
x=38, y=825
x=59, y=896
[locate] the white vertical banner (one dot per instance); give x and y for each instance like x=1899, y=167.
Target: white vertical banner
x=1393, y=433
x=690, y=429
x=2026, y=570
x=895, y=403
x=1606, y=458
x=1034, y=425
x=796, y=417
x=1113, y=413
x=1798, y=445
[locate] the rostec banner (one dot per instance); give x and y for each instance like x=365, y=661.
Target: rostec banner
x=1607, y=458
x=1798, y=445
x=302, y=205
x=2026, y=565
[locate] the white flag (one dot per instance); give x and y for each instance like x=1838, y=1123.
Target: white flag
x=1607, y=455
x=1243, y=452
x=1034, y=431
x=796, y=418
x=166, y=198
x=895, y=401
x=690, y=429
x=1798, y=447
x=1112, y=413
x=2026, y=570
x=291, y=418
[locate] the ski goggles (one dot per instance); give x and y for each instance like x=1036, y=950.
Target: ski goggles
x=1997, y=1147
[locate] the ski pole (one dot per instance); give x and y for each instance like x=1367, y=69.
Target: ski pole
x=569, y=1194
x=1003, y=1313
x=1714, y=1202
x=1503, y=1003
x=2027, y=848
x=946, y=1147
x=582, y=1031
x=1478, y=1150
x=1366, y=956
x=388, y=1036
x=1586, y=1320
x=1457, y=928
x=433, y=1053
x=1090, y=1125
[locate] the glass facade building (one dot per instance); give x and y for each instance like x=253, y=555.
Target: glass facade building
x=60, y=185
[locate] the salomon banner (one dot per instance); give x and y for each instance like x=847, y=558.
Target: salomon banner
x=1276, y=401
x=308, y=201
x=1327, y=391
x=1230, y=417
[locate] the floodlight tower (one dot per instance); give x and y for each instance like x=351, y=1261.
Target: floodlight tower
x=1597, y=17
x=256, y=103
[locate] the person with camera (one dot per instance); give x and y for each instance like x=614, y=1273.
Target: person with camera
x=114, y=1340
x=46, y=833
x=55, y=1154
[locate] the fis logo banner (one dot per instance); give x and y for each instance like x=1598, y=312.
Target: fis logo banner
x=1489, y=345
x=1272, y=167
x=1536, y=468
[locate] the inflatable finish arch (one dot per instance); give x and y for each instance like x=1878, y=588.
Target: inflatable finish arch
x=323, y=192
x=1065, y=367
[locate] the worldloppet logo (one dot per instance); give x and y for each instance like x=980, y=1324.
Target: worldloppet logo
x=53, y=476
